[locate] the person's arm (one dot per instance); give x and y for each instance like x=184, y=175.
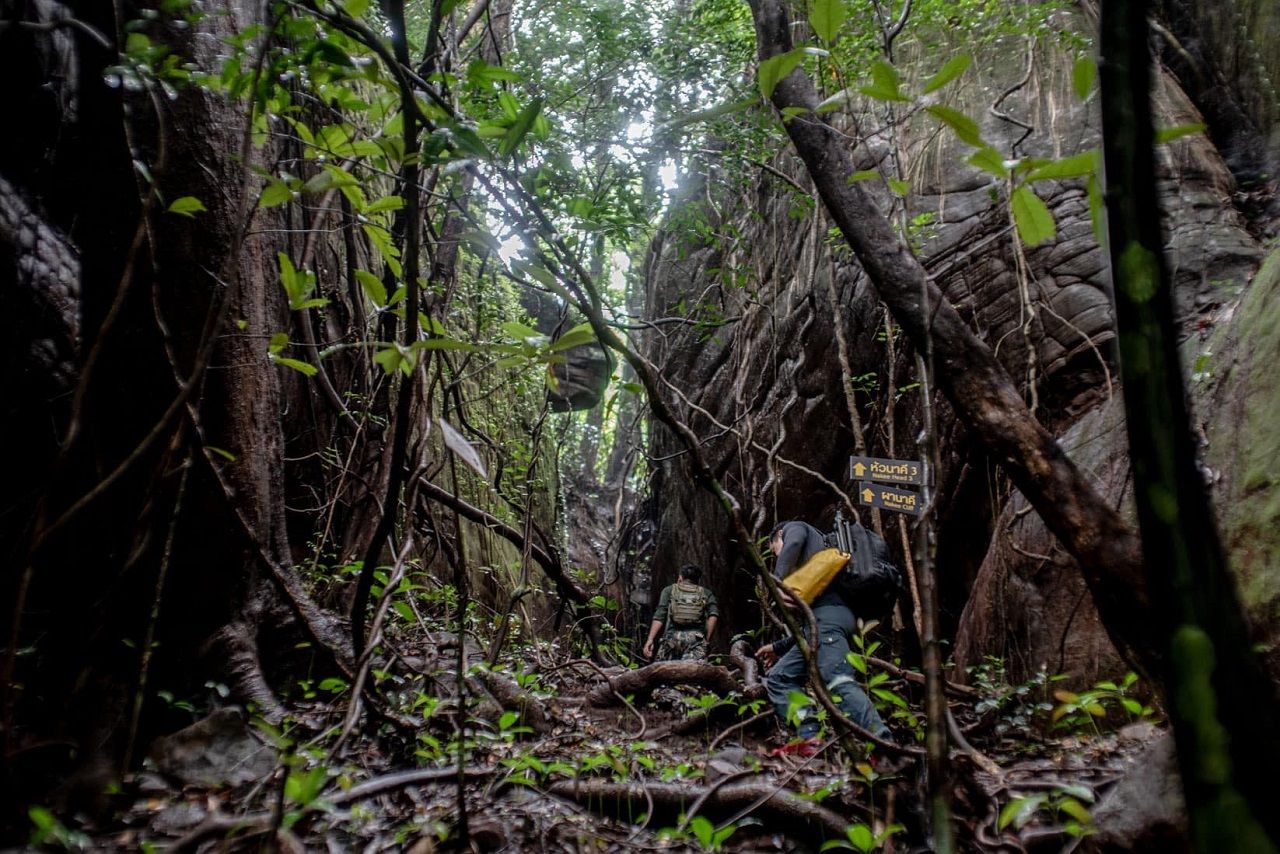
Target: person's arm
x=769, y=654
x=654, y=628
x=659, y=618
x=713, y=615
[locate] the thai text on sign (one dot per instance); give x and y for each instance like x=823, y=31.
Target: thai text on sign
x=889, y=498
x=885, y=471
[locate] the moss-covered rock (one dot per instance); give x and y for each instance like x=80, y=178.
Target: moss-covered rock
x=1239, y=401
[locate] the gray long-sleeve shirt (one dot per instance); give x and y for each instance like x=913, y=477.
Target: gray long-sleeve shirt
x=800, y=541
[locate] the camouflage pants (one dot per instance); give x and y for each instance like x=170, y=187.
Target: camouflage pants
x=683, y=644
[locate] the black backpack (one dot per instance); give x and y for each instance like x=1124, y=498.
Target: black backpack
x=869, y=584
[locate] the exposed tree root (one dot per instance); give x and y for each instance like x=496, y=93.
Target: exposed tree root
x=645, y=680
x=244, y=670
x=953, y=688
x=515, y=699
x=801, y=818
x=740, y=657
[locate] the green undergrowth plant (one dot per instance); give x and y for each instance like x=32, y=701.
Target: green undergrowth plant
x=1019, y=708
x=699, y=832
x=1105, y=702
x=891, y=705
x=862, y=837
x=1065, y=805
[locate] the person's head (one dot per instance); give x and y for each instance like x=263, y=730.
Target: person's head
x=775, y=538
x=690, y=573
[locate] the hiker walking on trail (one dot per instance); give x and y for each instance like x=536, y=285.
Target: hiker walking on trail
x=794, y=543
x=689, y=613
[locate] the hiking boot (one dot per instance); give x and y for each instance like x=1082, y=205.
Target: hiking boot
x=802, y=747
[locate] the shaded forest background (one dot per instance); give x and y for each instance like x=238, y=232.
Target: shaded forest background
x=337, y=331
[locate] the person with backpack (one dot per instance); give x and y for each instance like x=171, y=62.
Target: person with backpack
x=794, y=543
x=689, y=613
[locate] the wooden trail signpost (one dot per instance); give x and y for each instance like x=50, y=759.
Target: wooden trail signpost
x=872, y=473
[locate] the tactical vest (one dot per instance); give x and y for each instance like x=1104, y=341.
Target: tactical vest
x=688, y=601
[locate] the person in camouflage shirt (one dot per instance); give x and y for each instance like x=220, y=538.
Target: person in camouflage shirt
x=688, y=612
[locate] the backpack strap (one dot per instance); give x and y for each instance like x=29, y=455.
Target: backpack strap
x=862, y=551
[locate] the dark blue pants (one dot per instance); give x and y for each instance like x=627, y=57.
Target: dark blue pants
x=835, y=626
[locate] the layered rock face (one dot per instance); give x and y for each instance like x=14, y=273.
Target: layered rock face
x=762, y=324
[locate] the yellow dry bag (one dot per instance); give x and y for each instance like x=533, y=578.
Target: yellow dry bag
x=808, y=582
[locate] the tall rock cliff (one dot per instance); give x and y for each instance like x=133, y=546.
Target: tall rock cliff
x=763, y=325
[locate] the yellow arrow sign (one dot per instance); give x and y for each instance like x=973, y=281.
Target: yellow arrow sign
x=867, y=495
x=859, y=470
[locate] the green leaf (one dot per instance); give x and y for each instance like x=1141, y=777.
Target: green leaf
x=519, y=129
x=827, y=17
x=890, y=697
x=898, y=187
x=864, y=175
x=1077, y=791
x=510, y=106
x=484, y=74
x=274, y=194
x=386, y=203
x=187, y=206
x=373, y=287
x=356, y=8
x=836, y=101
x=1169, y=134
x=988, y=160
x=390, y=358
x=885, y=84
x=1019, y=811
x=222, y=452
x=1076, y=810
x=1083, y=73
x=301, y=367
x=1075, y=166
x=964, y=127
x=860, y=837
x=776, y=68
x=578, y=335
x=702, y=829
x=1035, y=223
x=520, y=332
x=304, y=788
x=954, y=67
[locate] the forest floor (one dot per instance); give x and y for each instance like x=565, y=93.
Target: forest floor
x=574, y=765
